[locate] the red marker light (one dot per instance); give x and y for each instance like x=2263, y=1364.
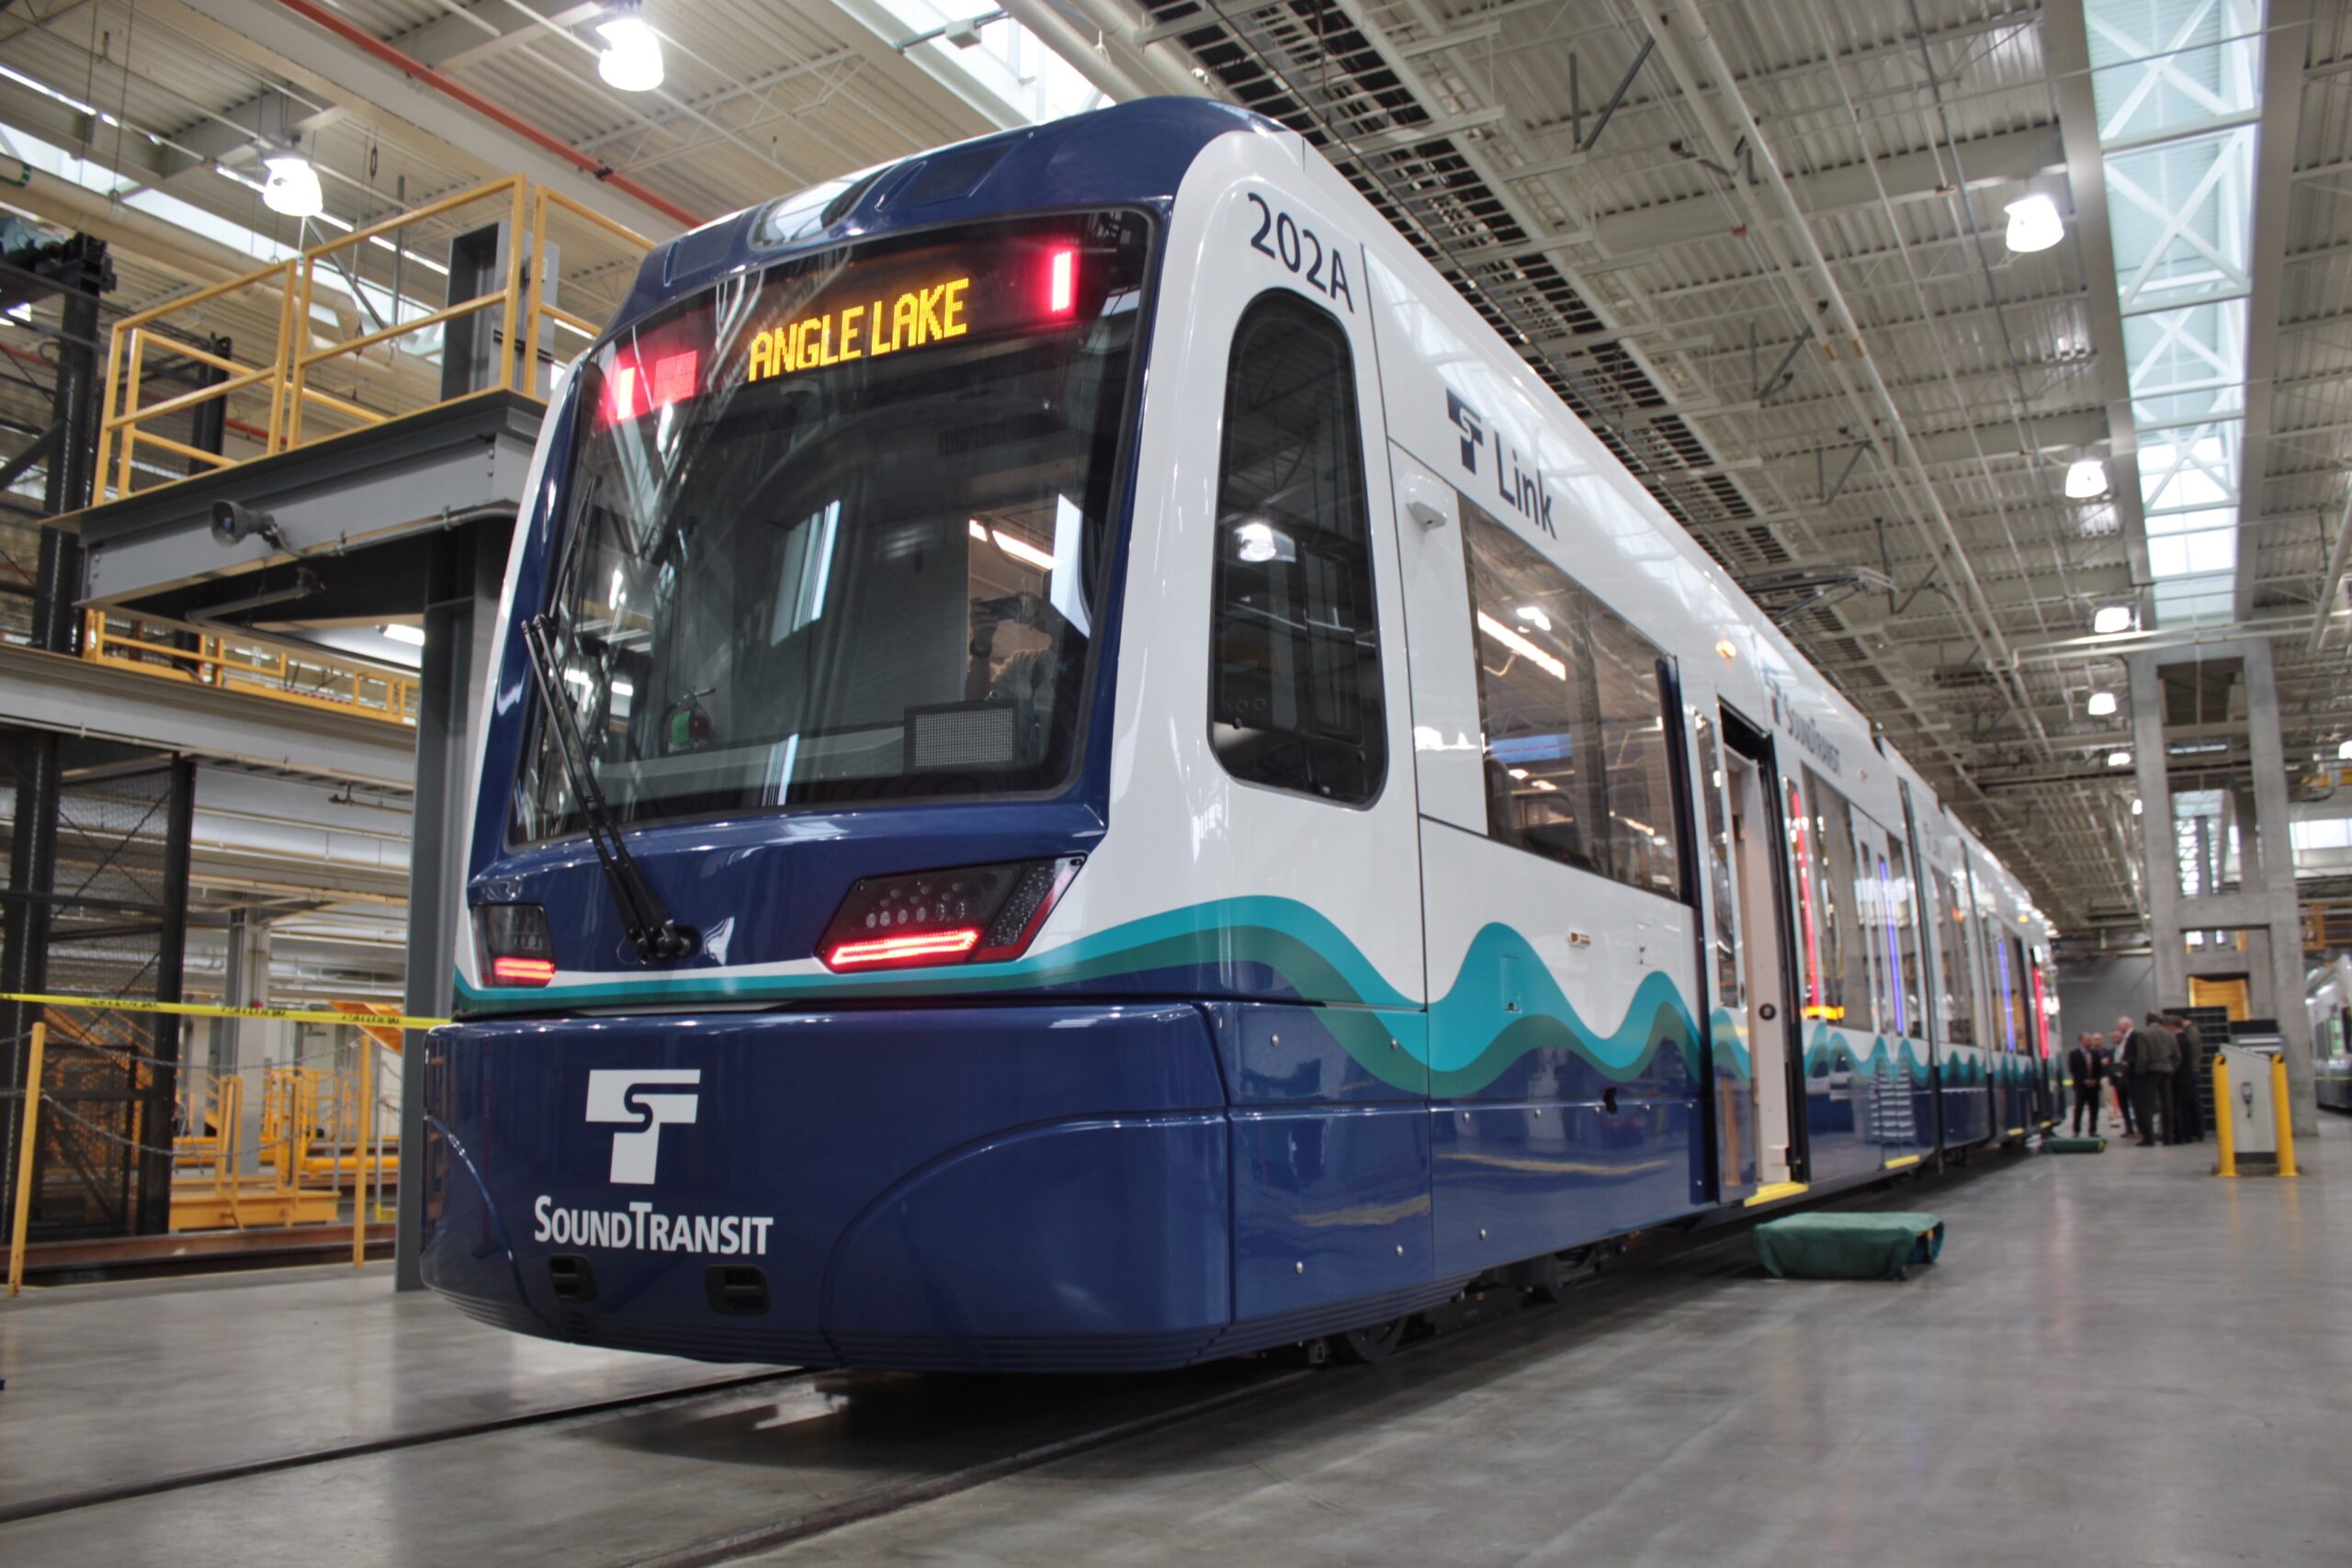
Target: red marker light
x=910, y=949
x=510, y=971
x=1061, y=282
x=674, y=377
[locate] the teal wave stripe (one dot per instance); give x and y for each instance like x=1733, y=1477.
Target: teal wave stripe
x=1829, y=1051
x=1504, y=1004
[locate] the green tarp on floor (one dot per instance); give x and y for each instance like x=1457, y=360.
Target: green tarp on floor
x=1847, y=1246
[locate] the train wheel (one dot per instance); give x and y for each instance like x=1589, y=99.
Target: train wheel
x=1363, y=1346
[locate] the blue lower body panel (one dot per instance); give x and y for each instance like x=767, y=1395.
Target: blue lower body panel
x=999, y=1187
x=1010, y=1187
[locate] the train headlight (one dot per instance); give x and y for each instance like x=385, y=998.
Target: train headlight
x=963, y=915
x=516, y=944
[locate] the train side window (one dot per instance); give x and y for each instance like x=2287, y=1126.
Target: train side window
x=1902, y=908
x=1572, y=703
x=1842, y=979
x=1639, y=786
x=1294, y=698
x=1959, y=1010
x=1538, y=699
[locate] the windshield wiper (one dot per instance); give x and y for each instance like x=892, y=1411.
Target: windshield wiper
x=650, y=929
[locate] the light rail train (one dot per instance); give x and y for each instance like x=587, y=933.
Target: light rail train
x=1086, y=771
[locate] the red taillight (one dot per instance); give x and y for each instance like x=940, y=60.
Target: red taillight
x=972, y=914
x=1061, y=282
x=880, y=951
x=517, y=942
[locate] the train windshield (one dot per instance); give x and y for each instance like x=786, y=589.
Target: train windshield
x=838, y=532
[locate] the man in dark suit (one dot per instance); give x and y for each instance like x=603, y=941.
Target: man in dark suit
x=2124, y=1068
x=2188, y=1106
x=2153, y=1054
x=2085, y=1069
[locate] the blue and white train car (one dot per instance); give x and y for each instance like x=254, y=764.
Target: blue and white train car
x=1086, y=771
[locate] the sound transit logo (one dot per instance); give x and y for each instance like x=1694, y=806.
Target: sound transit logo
x=615, y=1095
x=643, y=1101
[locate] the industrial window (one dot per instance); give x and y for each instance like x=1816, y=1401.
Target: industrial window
x=1294, y=680
x=1574, y=720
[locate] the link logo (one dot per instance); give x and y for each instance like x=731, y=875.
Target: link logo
x=1520, y=488
x=643, y=1100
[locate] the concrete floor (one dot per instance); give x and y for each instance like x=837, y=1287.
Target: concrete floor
x=2119, y=1361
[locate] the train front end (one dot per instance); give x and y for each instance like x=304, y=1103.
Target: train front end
x=775, y=1045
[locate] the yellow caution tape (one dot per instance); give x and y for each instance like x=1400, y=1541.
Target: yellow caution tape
x=194, y=1010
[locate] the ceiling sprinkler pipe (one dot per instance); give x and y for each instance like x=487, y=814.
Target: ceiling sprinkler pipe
x=408, y=65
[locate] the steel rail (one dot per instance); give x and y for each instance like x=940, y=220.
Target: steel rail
x=181, y=1481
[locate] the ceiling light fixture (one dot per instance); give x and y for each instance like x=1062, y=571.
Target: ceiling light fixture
x=2343, y=752
x=2111, y=618
x=631, y=59
x=292, y=186
x=2119, y=758
x=2101, y=705
x=2034, y=224
x=401, y=631
x=2135, y=806
x=2086, y=480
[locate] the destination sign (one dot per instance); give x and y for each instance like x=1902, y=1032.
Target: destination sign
x=911, y=318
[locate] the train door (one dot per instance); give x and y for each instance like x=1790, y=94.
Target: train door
x=1730, y=1066
x=1766, y=956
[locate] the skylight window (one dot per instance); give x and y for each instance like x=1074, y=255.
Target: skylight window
x=2178, y=88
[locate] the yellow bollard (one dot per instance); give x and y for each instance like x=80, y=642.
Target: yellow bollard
x=2281, y=1116
x=2224, y=1121
x=362, y=1135
x=24, y=1162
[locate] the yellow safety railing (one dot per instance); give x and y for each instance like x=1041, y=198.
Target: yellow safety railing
x=322, y=1132
x=287, y=371
x=263, y=669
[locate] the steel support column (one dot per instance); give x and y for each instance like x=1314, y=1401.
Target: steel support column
x=460, y=625
x=2275, y=846
x=2158, y=852
x=57, y=628
x=154, y=1212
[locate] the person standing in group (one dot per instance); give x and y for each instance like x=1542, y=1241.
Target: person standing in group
x=2122, y=1071
x=2086, y=1068
x=2154, y=1053
x=2188, y=1103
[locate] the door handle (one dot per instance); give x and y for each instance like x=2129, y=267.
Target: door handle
x=1768, y=1012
